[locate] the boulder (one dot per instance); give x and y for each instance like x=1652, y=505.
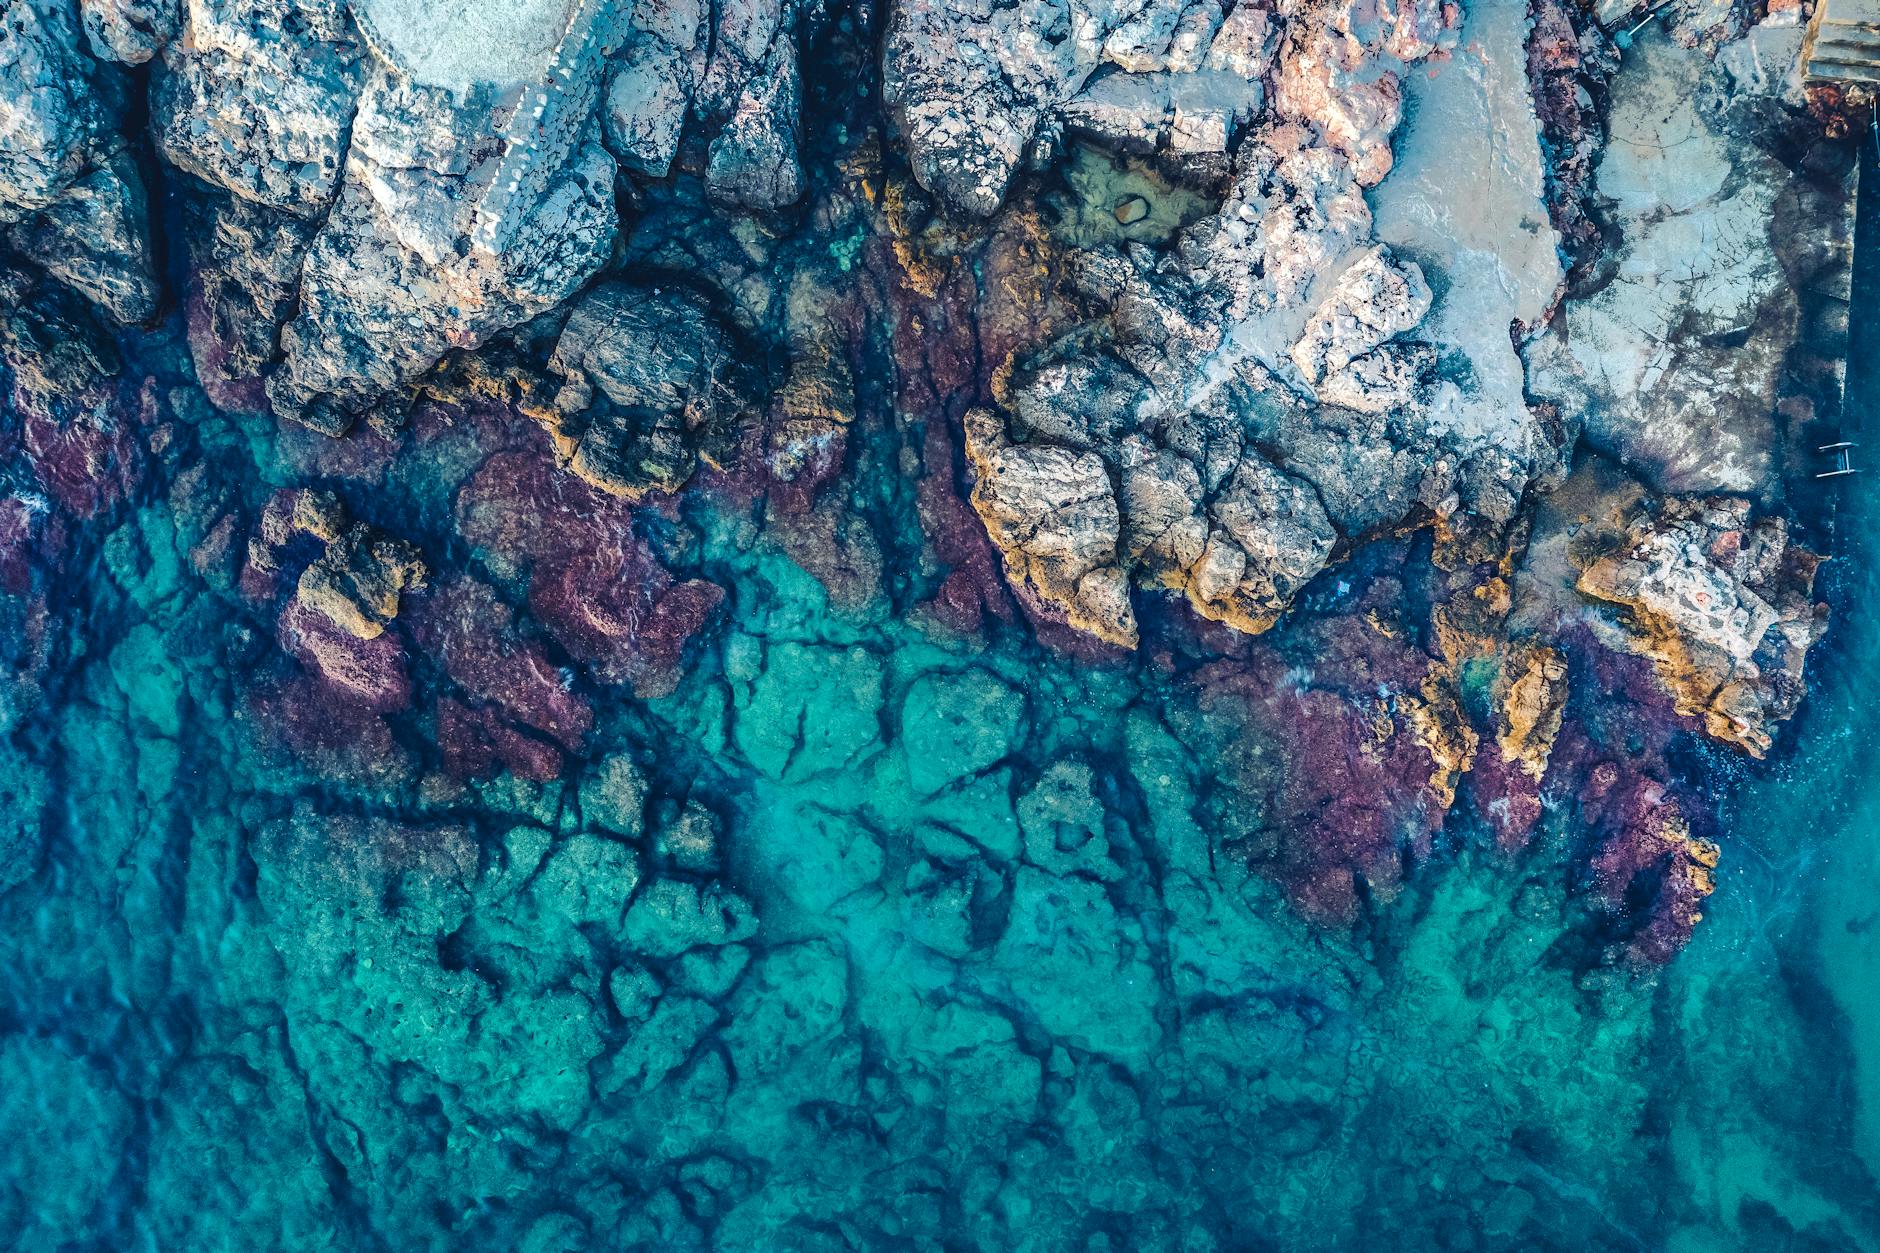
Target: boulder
x=1720, y=602
x=652, y=385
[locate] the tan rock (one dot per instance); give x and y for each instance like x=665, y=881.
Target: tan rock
x=1530, y=696
x=357, y=582
x=1721, y=606
x=1439, y=725
x=1052, y=513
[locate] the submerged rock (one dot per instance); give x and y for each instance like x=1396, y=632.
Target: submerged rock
x=357, y=582
x=592, y=579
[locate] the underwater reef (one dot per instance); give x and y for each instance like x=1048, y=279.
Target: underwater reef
x=1173, y=625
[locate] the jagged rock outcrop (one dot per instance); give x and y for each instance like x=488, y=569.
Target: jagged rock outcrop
x=131, y=31
x=1721, y=605
x=1530, y=697
x=731, y=69
x=1053, y=514
x=258, y=99
x=71, y=198
x=399, y=274
x=652, y=385
x=979, y=91
x=428, y=231
x=357, y=582
x=96, y=238
x=1282, y=381
x=246, y=260
x=1252, y=397
x=1376, y=299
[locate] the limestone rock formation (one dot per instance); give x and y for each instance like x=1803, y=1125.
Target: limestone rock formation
x=71, y=198
x=398, y=274
x=1053, y=514
x=1694, y=363
x=1530, y=699
x=359, y=574
x=131, y=31
x=652, y=385
x=730, y=69
x=357, y=582
x=1720, y=602
x=751, y=832
x=246, y=260
x=980, y=91
x=1377, y=298
x=424, y=231
x=258, y=100
x=1252, y=398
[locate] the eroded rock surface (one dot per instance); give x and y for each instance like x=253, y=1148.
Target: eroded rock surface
x=1722, y=606
x=949, y=626
x=981, y=92
x=1265, y=393
x=1718, y=338
x=71, y=197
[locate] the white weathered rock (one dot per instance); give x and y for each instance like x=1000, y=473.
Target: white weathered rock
x=1680, y=365
x=1721, y=605
x=130, y=31
x=1282, y=380
x=1376, y=298
x=1480, y=227
x=395, y=277
x=979, y=89
x=257, y=98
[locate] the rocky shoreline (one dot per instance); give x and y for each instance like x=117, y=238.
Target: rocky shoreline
x=909, y=573
x=1208, y=414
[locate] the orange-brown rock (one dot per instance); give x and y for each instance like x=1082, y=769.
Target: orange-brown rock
x=1439, y=725
x=1530, y=696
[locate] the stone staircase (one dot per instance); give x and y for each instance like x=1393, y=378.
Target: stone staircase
x=1843, y=43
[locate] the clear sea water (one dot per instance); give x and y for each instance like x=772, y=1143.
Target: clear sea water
x=968, y=972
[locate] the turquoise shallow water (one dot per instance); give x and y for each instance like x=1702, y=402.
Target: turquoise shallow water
x=866, y=938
